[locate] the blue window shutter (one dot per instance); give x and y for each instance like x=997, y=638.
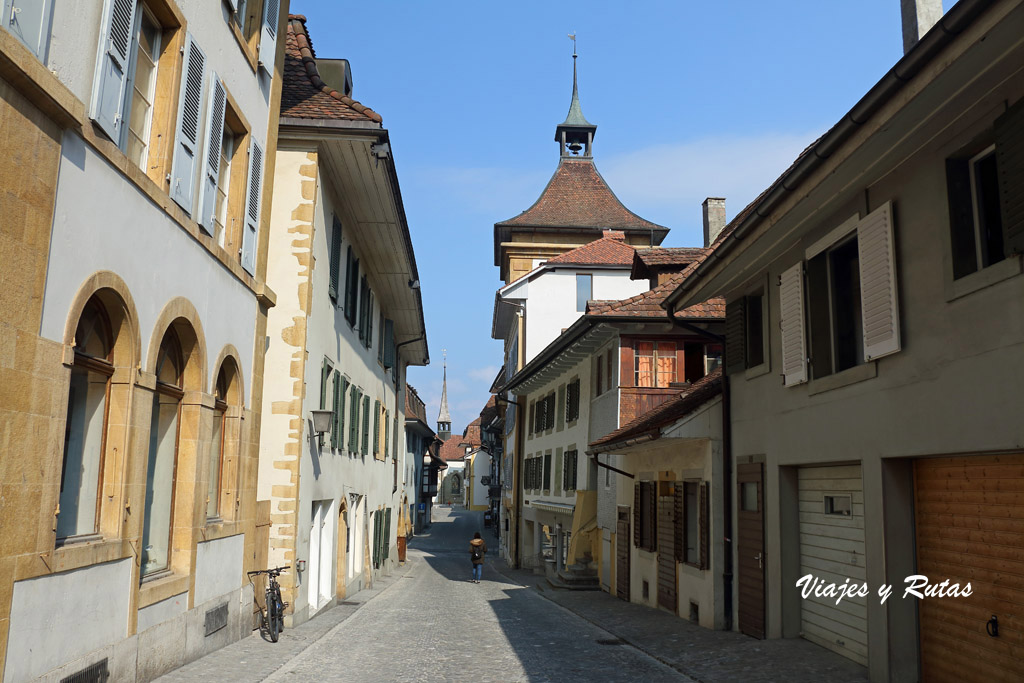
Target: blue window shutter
x=29, y=21
x=211, y=167
x=112, y=67
x=268, y=36
x=186, y=138
x=252, y=207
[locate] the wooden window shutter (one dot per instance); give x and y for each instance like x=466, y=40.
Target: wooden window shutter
x=678, y=525
x=252, y=207
x=878, y=300
x=112, y=67
x=703, y=524
x=211, y=167
x=389, y=343
x=637, y=514
x=351, y=286
x=1009, y=131
x=791, y=298
x=369, y=318
x=387, y=434
x=340, y=414
x=325, y=374
x=268, y=35
x=335, y=260
x=186, y=137
x=366, y=425
x=735, y=335
x=29, y=21
x=353, y=427
x=533, y=417
x=335, y=405
x=652, y=515
x=376, y=428
x=364, y=301
x=560, y=408
x=387, y=534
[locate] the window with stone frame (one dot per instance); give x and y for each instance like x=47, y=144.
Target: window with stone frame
x=85, y=425
x=569, y=470
x=572, y=400
x=645, y=515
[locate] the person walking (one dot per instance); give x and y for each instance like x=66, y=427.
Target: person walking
x=477, y=550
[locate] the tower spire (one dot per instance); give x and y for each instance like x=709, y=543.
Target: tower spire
x=575, y=134
x=444, y=419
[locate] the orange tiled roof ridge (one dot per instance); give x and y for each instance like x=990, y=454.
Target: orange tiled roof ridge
x=304, y=95
x=608, y=250
x=649, y=303
x=578, y=197
x=669, y=256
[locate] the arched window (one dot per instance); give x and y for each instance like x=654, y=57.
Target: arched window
x=163, y=451
x=217, y=446
x=86, y=425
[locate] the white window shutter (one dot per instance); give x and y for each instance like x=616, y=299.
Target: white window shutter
x=112, y=67
x=878, y=300
x=252, y=207
x=211, y=167
x=268, y=35
x=186, y=141
x=791, y=299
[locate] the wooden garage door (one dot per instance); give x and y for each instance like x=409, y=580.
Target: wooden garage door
x=667, y=551
x=969, y=513
x=832, y=549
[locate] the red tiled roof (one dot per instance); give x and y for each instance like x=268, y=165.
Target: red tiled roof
x=610, y=250
x=661, y=259
x=702, y=391
x=648, y=304
x=414, y=406
x=304, y=95
x=578, y=197
x=489, y=412
x=455, y=447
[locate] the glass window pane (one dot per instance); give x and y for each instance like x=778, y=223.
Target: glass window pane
x=163, y=443
x=748, y=492
x=584, y=291
x=83, y=443
x=216, y=454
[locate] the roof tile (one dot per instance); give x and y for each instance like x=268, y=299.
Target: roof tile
x=304, y=95
x=609, y=250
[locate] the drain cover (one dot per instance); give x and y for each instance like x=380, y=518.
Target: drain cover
x=610, y=641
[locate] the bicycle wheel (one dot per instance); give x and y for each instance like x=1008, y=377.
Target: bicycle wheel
x=280, y=610
x=273, y=610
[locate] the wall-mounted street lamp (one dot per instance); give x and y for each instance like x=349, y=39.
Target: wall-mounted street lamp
x=322, y=421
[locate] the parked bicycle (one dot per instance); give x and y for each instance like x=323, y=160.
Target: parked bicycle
x=272, y=615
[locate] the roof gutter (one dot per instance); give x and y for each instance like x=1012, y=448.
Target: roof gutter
x=958, y=18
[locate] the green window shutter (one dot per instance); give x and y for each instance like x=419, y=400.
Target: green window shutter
x=353, y=428
x=325, y=374
x=369, y=318
x=387, y=534
x=388, y=344
x=376, y=428
x=335, y=405
x=387, y=435
x=335, y=258
x=339, y=415
x=380, y=344
x=351, y=287
x=366, y=425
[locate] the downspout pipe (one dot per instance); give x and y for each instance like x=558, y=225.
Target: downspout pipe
x=727, y=575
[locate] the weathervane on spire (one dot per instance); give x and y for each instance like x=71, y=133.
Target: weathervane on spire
x=572, y=37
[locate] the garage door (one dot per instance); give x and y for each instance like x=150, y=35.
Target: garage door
x=832, y=549
x=969, y=513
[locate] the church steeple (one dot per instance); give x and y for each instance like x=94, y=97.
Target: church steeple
x=575, y=133
x=444, y=419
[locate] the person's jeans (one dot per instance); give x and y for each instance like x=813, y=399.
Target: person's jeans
x=478, y=572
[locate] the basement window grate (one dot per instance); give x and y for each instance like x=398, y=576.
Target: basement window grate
x=216, y=619
x=94, y=673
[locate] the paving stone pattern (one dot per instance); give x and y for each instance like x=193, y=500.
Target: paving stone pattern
x=429, y=622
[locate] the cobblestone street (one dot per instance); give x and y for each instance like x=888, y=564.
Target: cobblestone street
x=431, y=623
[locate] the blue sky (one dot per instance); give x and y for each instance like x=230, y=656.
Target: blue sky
x=691, y=100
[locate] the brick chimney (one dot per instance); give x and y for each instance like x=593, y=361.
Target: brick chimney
x=918, y=17
x=714, y=218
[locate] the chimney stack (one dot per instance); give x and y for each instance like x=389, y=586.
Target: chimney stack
x=714, y=218
x=918, y=17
